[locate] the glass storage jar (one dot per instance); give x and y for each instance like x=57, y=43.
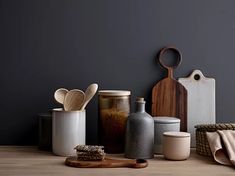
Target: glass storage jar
x=114, y=108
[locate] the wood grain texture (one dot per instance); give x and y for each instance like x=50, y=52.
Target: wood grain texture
x=28, y=161
x=106, y=163
x=169, y=97
x=73, y=100
x=60, y=94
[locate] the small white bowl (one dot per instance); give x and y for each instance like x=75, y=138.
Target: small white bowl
x=176, y=145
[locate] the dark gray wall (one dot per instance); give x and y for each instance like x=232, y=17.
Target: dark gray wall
x=47, y=44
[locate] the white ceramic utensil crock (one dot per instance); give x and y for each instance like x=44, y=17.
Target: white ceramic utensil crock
x=68, y=130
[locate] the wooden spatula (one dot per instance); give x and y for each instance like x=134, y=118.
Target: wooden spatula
x=89, y=93
x=169, y=97
x=74, y=100
x=59, y=95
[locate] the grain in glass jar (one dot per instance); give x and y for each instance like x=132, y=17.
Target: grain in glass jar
x=114, y=108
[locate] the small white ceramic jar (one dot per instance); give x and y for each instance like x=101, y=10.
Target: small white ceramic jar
x=161, y=125
x=176, y=145
x=68, y=131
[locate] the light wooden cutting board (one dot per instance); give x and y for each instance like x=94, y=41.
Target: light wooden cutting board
x=201, y=101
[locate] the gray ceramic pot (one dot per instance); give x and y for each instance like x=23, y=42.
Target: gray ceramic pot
x=161, y=125
x=139, y=133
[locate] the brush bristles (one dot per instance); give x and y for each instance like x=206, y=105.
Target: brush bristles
x=90, y=152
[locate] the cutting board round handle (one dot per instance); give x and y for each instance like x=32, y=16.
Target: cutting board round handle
x=169, y=68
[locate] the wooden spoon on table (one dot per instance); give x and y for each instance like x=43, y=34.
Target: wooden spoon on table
x=74, y=100
x=89, y=93
x=106, y=163
x=59, y=95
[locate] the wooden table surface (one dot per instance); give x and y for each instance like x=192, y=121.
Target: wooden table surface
x=29, y=161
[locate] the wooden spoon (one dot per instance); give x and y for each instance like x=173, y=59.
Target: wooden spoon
x=89, y=93
x=106, y=163
x=59, y=95
x=74, y=100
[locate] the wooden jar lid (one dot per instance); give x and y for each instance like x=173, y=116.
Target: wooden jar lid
x=166, y=120
x=114, y=92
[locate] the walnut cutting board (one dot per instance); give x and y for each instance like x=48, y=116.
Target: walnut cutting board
x=201, y=101
x=106, y=163
x=169, y=97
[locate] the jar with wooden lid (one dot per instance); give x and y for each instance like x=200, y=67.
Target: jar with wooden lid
x=114, y=108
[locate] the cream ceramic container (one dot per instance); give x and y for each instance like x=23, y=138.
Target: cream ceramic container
x=161, y=125
x=176, y=145
x=68, y=131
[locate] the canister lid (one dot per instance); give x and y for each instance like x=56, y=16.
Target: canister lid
x=176, y=134
x=166, y=120
x=114, y=92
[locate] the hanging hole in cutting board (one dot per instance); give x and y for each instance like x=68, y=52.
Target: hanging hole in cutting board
x=197, y=77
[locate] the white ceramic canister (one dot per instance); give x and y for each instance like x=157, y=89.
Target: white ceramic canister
x=161, y=125
x=68, y=131
x=176, y=145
